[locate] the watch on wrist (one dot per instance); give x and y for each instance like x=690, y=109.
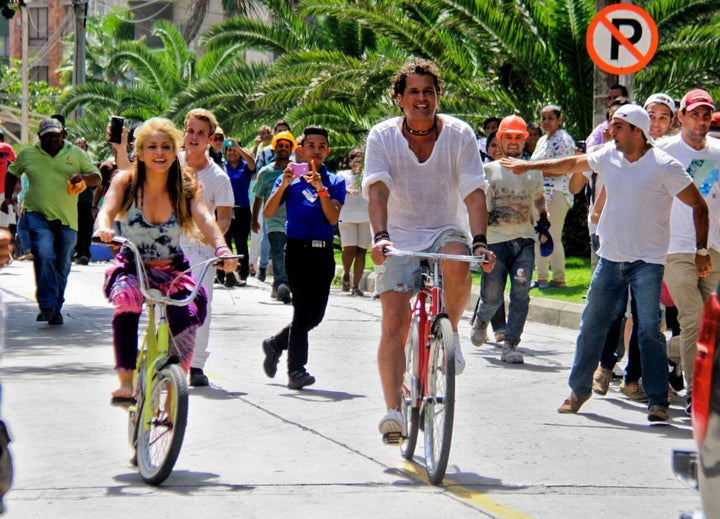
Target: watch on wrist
x=702, y=252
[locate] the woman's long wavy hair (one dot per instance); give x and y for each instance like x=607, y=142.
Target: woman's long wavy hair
x=182, y=185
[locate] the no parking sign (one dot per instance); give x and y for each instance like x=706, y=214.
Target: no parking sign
x=622, y=39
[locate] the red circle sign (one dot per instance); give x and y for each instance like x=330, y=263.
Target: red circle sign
x=622, y=39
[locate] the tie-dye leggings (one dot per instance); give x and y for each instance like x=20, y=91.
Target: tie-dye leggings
x=122, y=288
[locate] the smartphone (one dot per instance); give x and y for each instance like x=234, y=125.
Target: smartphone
x=299, y=168
x=116, y=127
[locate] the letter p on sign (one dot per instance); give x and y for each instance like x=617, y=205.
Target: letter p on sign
x=622, y=39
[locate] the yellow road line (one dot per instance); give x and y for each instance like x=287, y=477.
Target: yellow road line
x=488, y=505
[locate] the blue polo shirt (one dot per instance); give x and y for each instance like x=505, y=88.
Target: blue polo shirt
x=305, y=217
x=240, y=180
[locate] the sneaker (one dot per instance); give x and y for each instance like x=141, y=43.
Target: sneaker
x=83, y=260
x=283, y=294
x=230, y=280
x=658, y=414
x=676, y=376
x=198, y=378
x=242, y=282
x=479, y=332
x=262, y=273
x=299, y=379
x=459, y=359
x=601, y=380
x=688, y=405
x=44, y=315
x=220, y=277
x=357, y=292
x=634, y=391
x=510, y=354
x=573, y=403
x=272, y=357
x=56, y=319
x=392, y=427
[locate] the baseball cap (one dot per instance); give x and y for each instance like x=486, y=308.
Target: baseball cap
x=50, y=126
x=696, y=98
x=283, y=136
x=715, y=122
x=663, y=99
x=512, y=124
x=637, y=116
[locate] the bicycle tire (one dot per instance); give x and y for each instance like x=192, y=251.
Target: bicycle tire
x=158, y=445
x=439, y=409
x=411, y=388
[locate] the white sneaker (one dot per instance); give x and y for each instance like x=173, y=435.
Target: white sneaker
x=510, y=354
x=392, y=422
x=459, y=359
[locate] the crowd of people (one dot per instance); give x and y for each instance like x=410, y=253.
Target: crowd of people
x=183, y=195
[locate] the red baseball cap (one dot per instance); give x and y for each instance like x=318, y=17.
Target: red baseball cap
x=696, y=98
x=715, y=123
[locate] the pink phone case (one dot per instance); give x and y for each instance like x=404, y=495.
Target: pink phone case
x=299, y=169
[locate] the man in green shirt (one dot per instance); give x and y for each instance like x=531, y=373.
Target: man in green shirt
x=57, y=171
x=283, y=144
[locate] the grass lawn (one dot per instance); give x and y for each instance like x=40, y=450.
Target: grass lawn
x=577, y=277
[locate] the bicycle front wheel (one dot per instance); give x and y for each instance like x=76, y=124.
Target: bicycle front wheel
x=410, y=390
x=159, y=441
x=439, y=408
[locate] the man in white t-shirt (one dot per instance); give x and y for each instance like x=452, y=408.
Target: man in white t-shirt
x=200, y=125
x=512, y=202
x=641, y=182
x=423, y=180
x=700, y=157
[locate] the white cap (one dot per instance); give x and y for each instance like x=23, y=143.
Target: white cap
x=636, y=116
x=663, y=99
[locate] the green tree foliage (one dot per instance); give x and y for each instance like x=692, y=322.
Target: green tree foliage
x=41, y=97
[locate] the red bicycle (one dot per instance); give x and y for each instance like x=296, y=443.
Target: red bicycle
x=429, y=382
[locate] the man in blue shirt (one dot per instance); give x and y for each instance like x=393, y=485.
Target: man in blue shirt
x=313, y=201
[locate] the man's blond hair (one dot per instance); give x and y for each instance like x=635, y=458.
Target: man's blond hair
x=203, y=115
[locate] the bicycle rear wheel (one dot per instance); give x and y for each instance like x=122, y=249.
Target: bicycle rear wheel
x=410, y=391
x=439, y=407
x=159, y=442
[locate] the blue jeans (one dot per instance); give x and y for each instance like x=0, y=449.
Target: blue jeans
x=277, y=253
x=264, y=247
x=514, y=258
x=52, y=245
x=609, y=284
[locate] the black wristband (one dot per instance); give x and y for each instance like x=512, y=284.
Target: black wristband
x=479, y=238
x=380, y=236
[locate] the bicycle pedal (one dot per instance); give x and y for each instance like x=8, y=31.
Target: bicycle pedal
x=393, y=438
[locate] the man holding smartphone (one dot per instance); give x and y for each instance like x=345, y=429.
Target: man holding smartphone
x=313, y=203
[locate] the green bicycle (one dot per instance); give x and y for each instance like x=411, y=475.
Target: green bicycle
x=157, y=421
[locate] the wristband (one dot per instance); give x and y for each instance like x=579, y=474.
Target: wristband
x=479, y=238
x=323, y=192
x=222, y=250
x=380, y=236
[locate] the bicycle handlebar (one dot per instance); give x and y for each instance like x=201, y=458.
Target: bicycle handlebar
x=392, y=251
x=142, y=274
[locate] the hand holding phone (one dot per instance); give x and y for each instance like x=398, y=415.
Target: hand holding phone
x=299, y=168
x=116, y=128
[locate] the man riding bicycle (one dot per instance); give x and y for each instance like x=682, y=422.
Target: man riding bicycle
x=419, y=171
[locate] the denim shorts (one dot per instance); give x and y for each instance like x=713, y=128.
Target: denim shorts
x=402, y=273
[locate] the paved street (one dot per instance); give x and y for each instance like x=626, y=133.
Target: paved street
x=255, y=449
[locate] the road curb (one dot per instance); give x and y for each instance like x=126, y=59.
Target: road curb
x=542, y=310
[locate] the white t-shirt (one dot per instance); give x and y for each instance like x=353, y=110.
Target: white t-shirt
x=355, y=208
x=216, y=192
x=635, y=222
x=425, y=198
x=510, y=202
x=702, y=166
